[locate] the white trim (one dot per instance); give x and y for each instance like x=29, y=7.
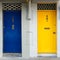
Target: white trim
x=1, y=30
x=44, y=1
x=58, y=28
x=47, y=55
x=25, y=32
x=12, y=55
x=33, y=31
x=12, y=1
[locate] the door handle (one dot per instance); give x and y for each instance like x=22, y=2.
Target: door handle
x=46, y=28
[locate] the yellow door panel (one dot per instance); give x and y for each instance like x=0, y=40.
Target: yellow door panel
x=46, y=31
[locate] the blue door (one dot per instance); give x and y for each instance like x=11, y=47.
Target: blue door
x=12, y=41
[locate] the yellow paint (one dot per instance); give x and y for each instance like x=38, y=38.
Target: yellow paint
x=46, y=31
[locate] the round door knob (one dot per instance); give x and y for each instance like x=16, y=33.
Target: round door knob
x=54, y=32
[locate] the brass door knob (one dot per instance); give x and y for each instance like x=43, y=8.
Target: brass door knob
x=54, y=32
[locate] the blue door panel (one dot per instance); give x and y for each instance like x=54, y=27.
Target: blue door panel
x=12, y=37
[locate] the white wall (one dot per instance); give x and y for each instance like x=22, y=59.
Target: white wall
x=25, y=32
x=29, y=34
x=1, y=31
x=33, y=30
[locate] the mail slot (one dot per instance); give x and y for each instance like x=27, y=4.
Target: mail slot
x=46, y=28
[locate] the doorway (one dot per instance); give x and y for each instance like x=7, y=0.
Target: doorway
x=46, y=28
x=12, y=31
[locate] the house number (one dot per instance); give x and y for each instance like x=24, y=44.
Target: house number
x=46, y=18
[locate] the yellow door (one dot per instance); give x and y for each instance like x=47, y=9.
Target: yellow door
x=46, y=31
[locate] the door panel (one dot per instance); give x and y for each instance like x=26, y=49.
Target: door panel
x=12, y=31
x=46, y=31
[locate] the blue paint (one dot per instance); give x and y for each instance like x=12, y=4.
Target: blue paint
x=12, y=39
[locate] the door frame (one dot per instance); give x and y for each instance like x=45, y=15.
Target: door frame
x=13, y=54
x=37, y=34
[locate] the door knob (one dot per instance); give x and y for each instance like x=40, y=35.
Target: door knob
x=54, y=32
